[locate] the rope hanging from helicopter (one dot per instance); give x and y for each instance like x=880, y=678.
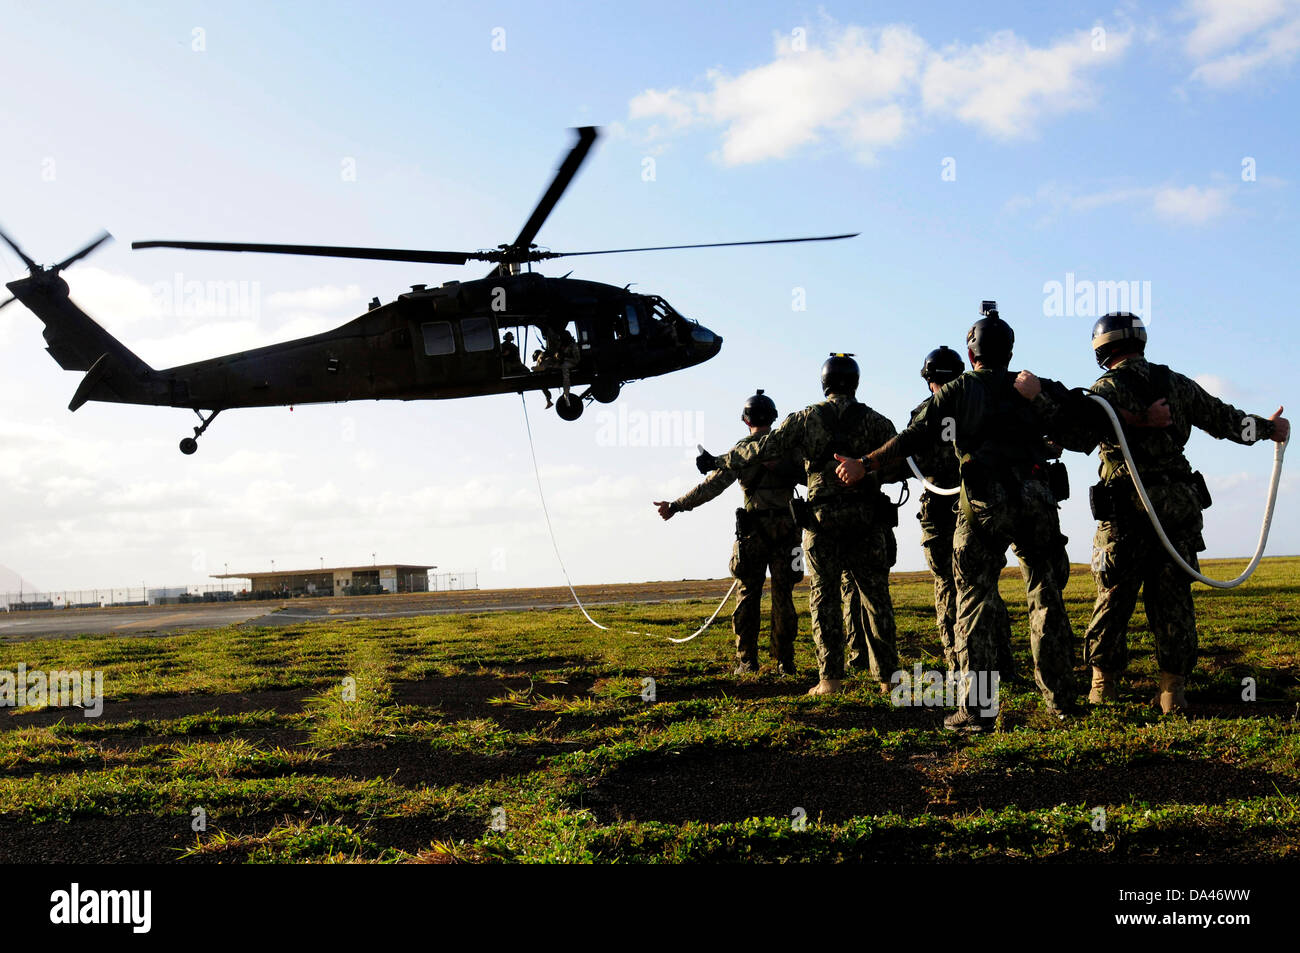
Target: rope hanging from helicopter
x=541, y=495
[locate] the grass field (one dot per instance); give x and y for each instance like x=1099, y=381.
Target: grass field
x=526, y=737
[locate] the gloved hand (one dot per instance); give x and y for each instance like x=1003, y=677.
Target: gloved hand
x=705, y=462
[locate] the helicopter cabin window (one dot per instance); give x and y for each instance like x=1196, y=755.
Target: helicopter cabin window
x=583, y=336
x=477, y=334
x=627, y=322
x=438, y=338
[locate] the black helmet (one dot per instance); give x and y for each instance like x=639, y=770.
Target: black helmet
x=942, y=365
x=839, y=375
x=1118, y=333
x=990, y=341
x=759, y=410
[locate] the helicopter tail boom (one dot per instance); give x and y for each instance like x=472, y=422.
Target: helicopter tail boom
x=77, y=342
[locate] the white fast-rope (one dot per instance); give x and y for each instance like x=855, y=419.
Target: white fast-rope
x=916, y=471
x=1279, y=451
x=532, y=449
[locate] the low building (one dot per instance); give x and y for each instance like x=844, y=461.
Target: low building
x=338, y=581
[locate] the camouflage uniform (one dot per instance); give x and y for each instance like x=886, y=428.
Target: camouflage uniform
x=938, y=518
x=1127, y=555
x=769, y=540
x=857, y=647
x=848, y=535
x=1005, y=500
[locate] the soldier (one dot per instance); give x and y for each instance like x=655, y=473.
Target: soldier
x=1005, y=500
x=511, y=365
x=1158, y=408
x=857, y=648
x=938, y=518
x=844, y=529
x=766, y=537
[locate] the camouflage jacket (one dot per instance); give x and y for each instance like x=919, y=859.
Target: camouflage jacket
x=937, y=461
x=1133, y=385
x=997, y=434
x=767, y=486
x=815, y=435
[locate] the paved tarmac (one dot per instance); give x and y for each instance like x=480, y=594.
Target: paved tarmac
x=160, y=620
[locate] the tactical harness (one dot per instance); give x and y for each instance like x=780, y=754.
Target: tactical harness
x=1107, y=497
x=1002, y=444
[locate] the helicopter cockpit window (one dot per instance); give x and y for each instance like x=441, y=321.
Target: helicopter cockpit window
x=477, y=334
x=438, y=338
x=633, y=321
x=662, y=324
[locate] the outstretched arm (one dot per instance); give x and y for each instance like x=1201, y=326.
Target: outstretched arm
x=708, y=488
x=772, y=446
x=1220, y=419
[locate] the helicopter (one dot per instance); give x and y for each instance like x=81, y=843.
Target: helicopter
x=459, y=339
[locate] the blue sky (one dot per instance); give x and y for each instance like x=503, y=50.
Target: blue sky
x=1104, y=142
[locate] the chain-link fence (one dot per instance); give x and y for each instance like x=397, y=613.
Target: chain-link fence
x=451, y=581
x=228, y=591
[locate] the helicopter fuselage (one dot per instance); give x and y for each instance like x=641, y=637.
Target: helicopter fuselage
x=447, y=342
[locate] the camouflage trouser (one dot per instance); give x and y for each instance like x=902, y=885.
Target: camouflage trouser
x=1031, y=527
x=1127, y=556
x=938, y=526
x=857, y=651
x=848, y=542
x=773, y=544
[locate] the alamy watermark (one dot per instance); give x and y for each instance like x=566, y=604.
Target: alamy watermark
x=1085, y=298
x=56, y=689
x=655, y=428
x=207, y=299
x=921, y=688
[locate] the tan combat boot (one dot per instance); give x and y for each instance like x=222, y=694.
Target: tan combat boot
x=1105, y=687
x=1171, y=699
x=827, y=686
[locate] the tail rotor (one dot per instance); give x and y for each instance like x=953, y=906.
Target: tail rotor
x=37, y=271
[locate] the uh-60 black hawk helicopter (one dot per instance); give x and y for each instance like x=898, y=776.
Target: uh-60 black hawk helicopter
x=462, y=339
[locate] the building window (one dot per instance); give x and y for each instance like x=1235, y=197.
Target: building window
x=438, y=338
x=477, y=334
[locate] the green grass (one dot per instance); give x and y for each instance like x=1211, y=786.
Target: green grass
x=536, y=717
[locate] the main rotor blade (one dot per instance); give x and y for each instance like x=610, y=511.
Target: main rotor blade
x=563, y=176
x=31, y=265
x=105, y=237
x=768, y=241
x=326, y=251
x=7, y=302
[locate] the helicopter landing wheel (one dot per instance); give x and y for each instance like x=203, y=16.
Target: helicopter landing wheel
x=569, y=406
x=190, y=444
x=606, y=391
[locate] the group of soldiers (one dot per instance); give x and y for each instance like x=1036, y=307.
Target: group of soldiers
x=993, y=433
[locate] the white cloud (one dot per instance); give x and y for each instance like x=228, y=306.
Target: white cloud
x=1006, y=86
x=865, y=88
x=1220, y=387
x=1232, y=39
x=113, y=299
x=1188, y=205
x=315, y=299
x=1191, y=205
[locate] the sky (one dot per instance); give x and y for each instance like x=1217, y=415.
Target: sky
x=1036, y=157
